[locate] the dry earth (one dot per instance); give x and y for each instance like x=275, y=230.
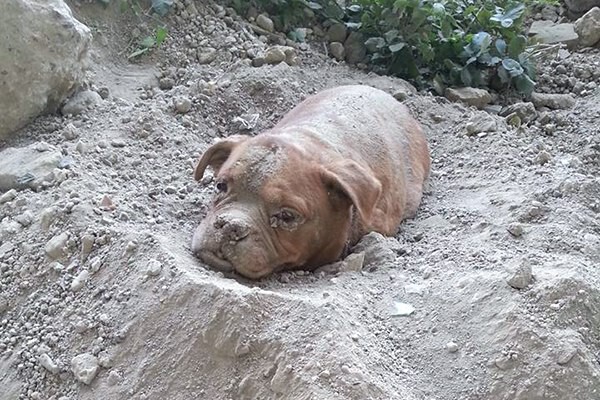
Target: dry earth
x=108, y=288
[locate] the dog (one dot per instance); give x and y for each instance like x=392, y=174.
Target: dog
x=344, y=162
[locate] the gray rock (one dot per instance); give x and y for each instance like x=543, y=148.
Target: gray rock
x=355, y=48
x=525, y=110
x=471, y=96
x=576, y=8
x=555, y=101
x=43, y=55
x=277, y=54
x=85, y=367
x=265, y=22
x=56, y=247
x=588, y=28
x=481, y=122
x=80, y=102
x=27, y=167
x=48, y=363
x=522, y=277
x=337, y=50
x=80, y=280
x=206, y=56
x=337, y=33
x=182, y=104
x=550, y=33
x=8, y=196
x=377, y=249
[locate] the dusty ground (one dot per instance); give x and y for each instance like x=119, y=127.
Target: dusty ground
x=163, y=327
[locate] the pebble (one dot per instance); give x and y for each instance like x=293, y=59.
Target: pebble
x=154, y=268
x=87, y=243
x=402, y=309
x=337, y=50
x=337, y=32
x=471, y=96
x=555, y=101
x=274, y=55
x=265, y=22
x=515, y=229
x=8, y=196
x=49, y=364
x=113, y=378
x=566, y=355
x=182, y=104
x=79, y=280
x=85, y=367
x=56, y=247
x=543, y=157
x=452, y=347
x=81, y=102
x=522, y=277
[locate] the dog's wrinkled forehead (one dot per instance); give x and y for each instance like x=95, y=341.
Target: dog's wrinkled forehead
x=255, y=165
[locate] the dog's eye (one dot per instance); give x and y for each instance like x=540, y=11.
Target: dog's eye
x=287, y=219
x=221, y=186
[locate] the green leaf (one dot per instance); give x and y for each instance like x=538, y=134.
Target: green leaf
x=512, y=67
x=162, y=7
x=394, y=48
x=524, y=84
x=501, y=46
x=161, y=35
x=503, y=75
x=465, y=76
x=517, y=46
x=374, y=43
x=314, y=5
x=391, y=35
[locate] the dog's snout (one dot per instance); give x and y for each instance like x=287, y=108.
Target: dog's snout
x=234, y=229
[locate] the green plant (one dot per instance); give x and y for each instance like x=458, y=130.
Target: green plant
x=150, y=42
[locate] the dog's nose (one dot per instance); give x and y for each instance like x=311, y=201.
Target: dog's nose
x=234, y=228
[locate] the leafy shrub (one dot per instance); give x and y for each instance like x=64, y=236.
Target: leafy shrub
x=430, y=42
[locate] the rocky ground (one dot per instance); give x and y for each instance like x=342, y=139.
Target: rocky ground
x=491, y=292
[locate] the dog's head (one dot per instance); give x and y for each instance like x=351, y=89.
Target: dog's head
x=278, y=206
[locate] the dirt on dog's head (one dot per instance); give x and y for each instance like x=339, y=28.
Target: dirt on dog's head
x=277, y=207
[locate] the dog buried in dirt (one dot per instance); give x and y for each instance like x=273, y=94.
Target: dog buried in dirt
x=344, y=162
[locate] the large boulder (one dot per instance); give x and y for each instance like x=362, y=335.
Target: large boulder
x=576, y=8
x=43, y=53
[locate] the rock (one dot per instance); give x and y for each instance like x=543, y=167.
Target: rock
x=542, y=158
x=166, y=83
x=354, y=262
x=576, y=8
x=588, y=28
x=265, y=22
x=182, y=104
x=8, y=196
x=337, y=33
x=515, y=229
x=80, y=102
x=550, y=33
x=566, y=355
x=277, y=54
x=26, y=167
x=258, y=61
x=554, y=101
x=355, y=48
x=452, y=347
x=85, y=367
x=402, y=309
x=377, y=248
x=154, y=268
x=43, y=53
x=80, y=280
x=56, y=247
x=48, y=364
x=469, y=96
x=524, y=110
x=206, y=56
x=70, y=132
x=522, y=277
x=481, y=122
x=337, y=50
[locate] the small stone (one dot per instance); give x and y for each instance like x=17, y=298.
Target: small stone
x=207, y=56
x=56, y=247
x=402, y=309
x=522, y=277
x=452, y=347
x=182, y=104
x=588, y=28
x=106, y=203
x=85, y=367
x=337, y=50
x=478, y=98
x=80, y=280
x=543, y=157
x=8, y=196
x=354, y=262
x=274, y=55
x=325, y=374
x=481, y=122
x=166, y=83
x=104, y=92
x=524, y=110
x=154, y=268
x=566, y=355
x=25, y=219
x=337, y=33
x=48, y=364
x=80, y=102
x=258, y=61
x=70, y=132
x=265, y=22
x=27, y=167
x=555, y=101
x=113, y=378
x=355, y=48
x=515, y=229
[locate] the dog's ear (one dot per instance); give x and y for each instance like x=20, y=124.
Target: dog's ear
x=217, y=154
x=353, y=184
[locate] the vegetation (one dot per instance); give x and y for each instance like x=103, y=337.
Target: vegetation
x=430, y=42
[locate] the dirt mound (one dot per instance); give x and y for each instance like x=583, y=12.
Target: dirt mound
x=498, y=271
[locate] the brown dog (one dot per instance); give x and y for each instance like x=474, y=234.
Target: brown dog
x=344, y=162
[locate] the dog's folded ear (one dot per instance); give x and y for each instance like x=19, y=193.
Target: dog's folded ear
x=355, y=185
x=217, y=154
